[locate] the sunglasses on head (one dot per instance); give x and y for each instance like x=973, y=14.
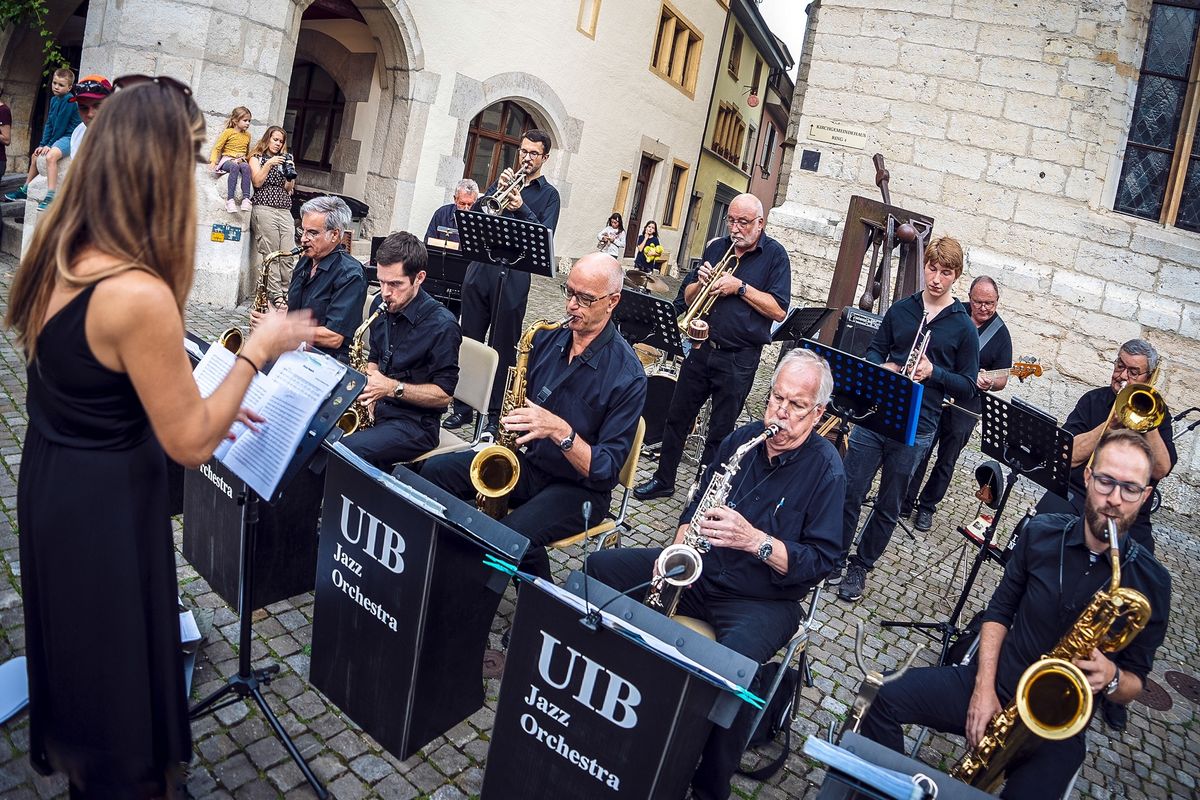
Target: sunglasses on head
x=128, y=81
x=90, y=87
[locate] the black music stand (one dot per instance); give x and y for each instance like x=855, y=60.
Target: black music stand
x=866, y=394
x=646, y=319
x=1029, y=442
x=800, y=323
x=248, y=681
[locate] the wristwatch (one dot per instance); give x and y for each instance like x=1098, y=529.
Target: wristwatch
x=398, y=392
x=742, y=290
x=567, y=443
x=1114, y=683
x=765, y=549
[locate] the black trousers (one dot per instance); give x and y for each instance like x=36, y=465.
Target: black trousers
x=938, y=697
x=505, y=316
x=391, y=441
x=753, y=627
x=724, y=375
x=954, y=431
x=541, y=508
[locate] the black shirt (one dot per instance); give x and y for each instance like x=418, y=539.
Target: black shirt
x=443, y=218
x=335, y=295
x=733, y=322
x=418, y=345
x=996, y=354
x=601, y=400
x=797, y=498
x=953, y=350
x=541, y=202
x=1091, y=410
x=1039, y=602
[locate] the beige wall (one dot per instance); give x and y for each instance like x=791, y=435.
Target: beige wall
x=1007, y=124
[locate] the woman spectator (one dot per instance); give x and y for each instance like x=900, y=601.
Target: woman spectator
x=274, y=177
x=611, y=238
x=648, y=251
x=110, y=389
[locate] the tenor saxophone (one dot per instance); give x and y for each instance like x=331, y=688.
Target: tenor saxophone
x=358, y=415
x=495, y=469
x=1053, y=699
x=233, y=338
x=665, y=592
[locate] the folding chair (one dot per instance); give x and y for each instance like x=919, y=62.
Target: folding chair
x=476, y=372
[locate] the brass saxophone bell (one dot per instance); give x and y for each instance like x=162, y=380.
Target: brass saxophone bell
x=232, y=340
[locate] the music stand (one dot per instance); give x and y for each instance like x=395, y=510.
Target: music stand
x=869, y=395
x=1029, y=442
x=800, y=323
x=248, y=681
x=646, y=319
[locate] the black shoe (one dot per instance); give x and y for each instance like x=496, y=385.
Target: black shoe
x=924, y=520
x=457, y=419
x=834, y=578
x=1116, y=716
x=653, y=488
x=853, y=585
x=905, y=511
x=492, y=429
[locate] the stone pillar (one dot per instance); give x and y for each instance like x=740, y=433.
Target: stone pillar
x=232, y=53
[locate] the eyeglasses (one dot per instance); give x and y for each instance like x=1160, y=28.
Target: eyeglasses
x=127, y=81
x=531, y=154
x=584, y=300
x=1130, y=492
x=1120, y=366
x=741, y=223
x=91, y=87
x=311, y=234
x=793, y=408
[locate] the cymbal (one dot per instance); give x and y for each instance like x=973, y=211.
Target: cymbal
x=636, y=279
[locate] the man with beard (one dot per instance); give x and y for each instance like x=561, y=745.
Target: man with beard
x=1058, y=565
x=774, y=537
x=413, y=366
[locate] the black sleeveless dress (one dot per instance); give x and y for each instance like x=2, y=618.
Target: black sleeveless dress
x=107, y=701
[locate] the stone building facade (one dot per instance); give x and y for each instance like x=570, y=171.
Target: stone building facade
x=1010, y=124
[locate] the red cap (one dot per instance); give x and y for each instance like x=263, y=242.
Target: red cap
x=92, y=87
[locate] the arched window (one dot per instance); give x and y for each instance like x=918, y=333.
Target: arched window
x=314, y=115
x=494, y=139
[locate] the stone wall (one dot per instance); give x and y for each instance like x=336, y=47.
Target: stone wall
x=1006, y=123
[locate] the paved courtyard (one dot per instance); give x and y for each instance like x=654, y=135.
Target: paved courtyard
x=237, y=756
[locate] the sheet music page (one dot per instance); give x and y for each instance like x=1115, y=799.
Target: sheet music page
x=213, y=368
x=291, y=394
x=255, y=399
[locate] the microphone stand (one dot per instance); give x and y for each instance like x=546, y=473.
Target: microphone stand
x=591, y=620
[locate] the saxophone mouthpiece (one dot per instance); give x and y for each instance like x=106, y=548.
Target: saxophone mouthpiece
x=771, y=430
x=295, y=251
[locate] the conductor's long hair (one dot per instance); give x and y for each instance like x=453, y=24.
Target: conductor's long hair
x=130, y=194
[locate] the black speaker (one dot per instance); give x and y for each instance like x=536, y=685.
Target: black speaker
x=855, y=330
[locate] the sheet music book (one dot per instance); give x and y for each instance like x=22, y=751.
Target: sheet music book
x=886, y=782
x=288, y=397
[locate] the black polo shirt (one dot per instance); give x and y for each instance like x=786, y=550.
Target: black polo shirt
x=996, y=354
x=953, y=350
x=601, y=400
x=1039, y=602
x=443, y=218
x=733, y=322
x=797, y=498
x=335, y=295
x=418, y=345
x=541, y=202
x=1091, y=410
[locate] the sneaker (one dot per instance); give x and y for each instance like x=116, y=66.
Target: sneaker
x=852, y=586
x=924, y=520
x=246, y=206
x=835, y=577
x=42, y=206
x=18, y=194
x=231, y=206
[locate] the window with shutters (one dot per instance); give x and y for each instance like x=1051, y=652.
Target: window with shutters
x=676, y=56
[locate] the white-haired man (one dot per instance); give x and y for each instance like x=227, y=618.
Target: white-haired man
x=442, y=224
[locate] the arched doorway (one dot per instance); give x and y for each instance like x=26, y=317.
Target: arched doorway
x=493, y=139
x=313, y=119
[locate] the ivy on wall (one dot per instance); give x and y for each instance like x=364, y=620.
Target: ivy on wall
x=32, y=14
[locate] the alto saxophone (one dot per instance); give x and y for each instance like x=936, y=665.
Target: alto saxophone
x=358, y=415
x=1053, y=699
x=665, y=592
x=233, y=338
x=495, y=469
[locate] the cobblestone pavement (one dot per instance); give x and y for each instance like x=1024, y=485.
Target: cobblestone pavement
x=237, y=756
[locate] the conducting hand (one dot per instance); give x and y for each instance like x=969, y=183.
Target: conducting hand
x=724, y=527
x=1098, y=669
x=275, y=333
x=984, y=705
x=534, y=422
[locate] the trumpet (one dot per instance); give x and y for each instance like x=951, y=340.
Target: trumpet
x=496, y=203
x=692, y=324
x=920, y=345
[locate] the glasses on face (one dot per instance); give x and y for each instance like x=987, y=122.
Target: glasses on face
x=1130, y=492
x=584, y=300
x=311, y=234
x=983, y=303
x=531, y=154
x=794, y=409
x=740, y=222
x=1120, y=366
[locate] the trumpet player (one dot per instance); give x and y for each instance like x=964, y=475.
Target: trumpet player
x=485, y=303
x=948, y=366
x=1059, y=563
x=413, y=366
x=774, y=538
x=739, y=324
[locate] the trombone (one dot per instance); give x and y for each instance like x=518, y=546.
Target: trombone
x=1139, y=407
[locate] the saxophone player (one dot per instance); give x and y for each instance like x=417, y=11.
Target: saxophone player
x=1059, y=563
x=775, y=537
x=586, y=389
x=413, y=366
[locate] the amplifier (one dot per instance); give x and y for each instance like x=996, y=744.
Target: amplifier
x=855, y=330
x=447, y=293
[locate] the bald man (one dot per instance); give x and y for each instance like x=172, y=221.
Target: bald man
x=586, y=389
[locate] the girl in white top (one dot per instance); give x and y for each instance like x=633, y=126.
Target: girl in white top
x=611, y=238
